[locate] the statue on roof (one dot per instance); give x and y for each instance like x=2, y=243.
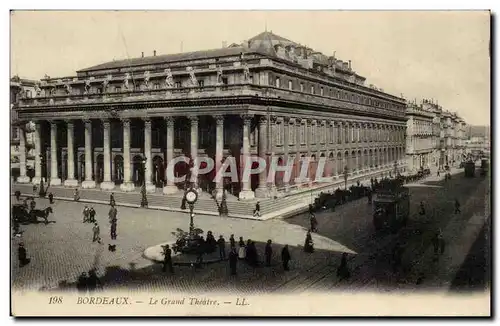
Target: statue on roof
x=67, y=86
x=146, y=79
x=38, y=90
x=219, y=75
x=86, y=89
x=193, y=82
x=105, y=84
x=169, y=79
x=246, y=73
x=125, y=81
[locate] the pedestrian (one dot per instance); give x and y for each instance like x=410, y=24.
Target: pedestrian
x=343, y=271
x=112, y=199
x=51, y=198
x=256, y=211
x=91, y=215
x=93, y=282
x=34, y=189
x=308, y=244
x=311, y=210
x=96, y=230
x=457, y=206
x=222, y=247
x=285, y=257
x=76, y=195
x=32, y=204
x=232, y=241
x=268, y=252
x=440, y=241
x=81, y=284
x=241, y=249
x=369, y=196
x=22, y=255
x=167, y=259
x=211, y=243
x=112, y=214
x=233, y=260
x=112, y=230
x=314, y=224
x=183, y=202
x=422, y=209
x=85, y=214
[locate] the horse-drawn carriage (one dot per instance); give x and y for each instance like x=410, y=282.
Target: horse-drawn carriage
x=21, y=214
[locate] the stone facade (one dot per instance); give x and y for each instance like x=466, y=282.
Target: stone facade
x=116, y=124
x=420, y=144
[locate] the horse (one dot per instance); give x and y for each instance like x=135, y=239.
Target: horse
x=35, y=213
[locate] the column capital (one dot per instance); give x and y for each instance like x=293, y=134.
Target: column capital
x=273, y=118
x=219, y=119
x=147, y=122
x=125, y=121
x=105, y=122
x=247, y=118
x=323, y=122
x=169, y=120
x=53, y=123
x=193, y=118
x=87, y=121
x=290, y=120
x=262, y=120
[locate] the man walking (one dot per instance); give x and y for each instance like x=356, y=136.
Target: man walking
x=457, y=207
x=112, y=199
x=222, y=247
x=167, y=259
x=113, y=229
x=113, y=212
x=91, y=215
x=22, y=255
x=256, y=212
x=96, y=230
x=268, y=252
x=233, y=260
x=51, y=198
x=232, y=241
x=285, y=257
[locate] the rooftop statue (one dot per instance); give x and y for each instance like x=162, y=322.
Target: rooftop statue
x=125, y=81
x=169, y=79
x=86, y=89
x=219, y=75
x=192, y=78
x=146, y=78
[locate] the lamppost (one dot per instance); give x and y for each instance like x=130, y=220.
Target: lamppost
x=191, y=197
x=346, y=175
x=144, y=199
x=395, y=168
x=41, y=193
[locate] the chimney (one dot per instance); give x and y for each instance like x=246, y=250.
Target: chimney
x=142, y=54
x=349, y=64
x=154, y=53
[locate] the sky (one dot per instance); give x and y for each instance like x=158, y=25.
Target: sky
x=440, y=55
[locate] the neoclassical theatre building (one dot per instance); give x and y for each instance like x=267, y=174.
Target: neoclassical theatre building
x=116, y=124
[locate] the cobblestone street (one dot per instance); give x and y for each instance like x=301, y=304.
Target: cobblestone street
x=61, y=251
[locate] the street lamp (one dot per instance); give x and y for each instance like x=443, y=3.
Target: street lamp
x=191, y=197
x=346, y=175
x=42, y=193
x=144, y=199
x=395, y=168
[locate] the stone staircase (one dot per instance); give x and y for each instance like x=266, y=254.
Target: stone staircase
x=292, y=203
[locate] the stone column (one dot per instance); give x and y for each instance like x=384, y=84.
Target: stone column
x=22, y=178
x=127, y=185
x=107, y=184
x=70, y=181
x=148, y=169
x=286, y=149
x=54, y=175
x=246, y=192
x=88, y=183
x=262, y=191
x=219, y=152
x=38, y=151
x=170, y=187
x=194, y=143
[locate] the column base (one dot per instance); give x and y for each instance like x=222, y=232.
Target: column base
x=127, y=186
x=36, y=180
x=150, y=188
x=219, y=193
x=88, y=184
x=55, y=182
x=261, y=193
x=71, y=183
x=246, y=195
x=170, y=189
x=23, y=179
x=107, y=185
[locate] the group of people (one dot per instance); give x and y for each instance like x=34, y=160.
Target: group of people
x=88, y=283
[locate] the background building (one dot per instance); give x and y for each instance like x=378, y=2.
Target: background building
x=420, y=142
x=117, y=123
x=21, y=88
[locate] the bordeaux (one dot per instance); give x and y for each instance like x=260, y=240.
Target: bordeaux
x=103, y=300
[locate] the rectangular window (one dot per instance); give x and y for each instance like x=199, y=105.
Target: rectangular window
x=339, y=133
x=118, y=89
x=28, y=93
x=303, y=134
x=290, y=85
x=291, y=134
x=156, y=86
x=346, y=133
x=277, y=84
x=312, y=89
x=224, y=80
x=321, y=91
x=279, y=134
x=178, y=84
x=201, y=83
x=301, y=87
